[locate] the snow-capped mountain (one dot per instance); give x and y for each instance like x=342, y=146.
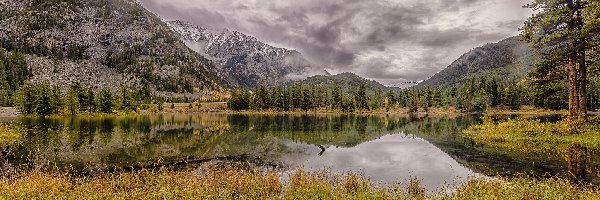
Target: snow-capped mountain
x=242, y=60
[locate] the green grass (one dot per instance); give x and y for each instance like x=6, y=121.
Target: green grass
x=9, y=134
x=534, y=136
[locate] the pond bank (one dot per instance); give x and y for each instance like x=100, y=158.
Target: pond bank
x=232, y=182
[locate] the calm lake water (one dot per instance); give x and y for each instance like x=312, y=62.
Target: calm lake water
x=387, y=149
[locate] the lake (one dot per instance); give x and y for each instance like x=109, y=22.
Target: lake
x=387, y=149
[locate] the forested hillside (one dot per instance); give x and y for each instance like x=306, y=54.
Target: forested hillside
x=507, y=60
x=498, y=75
x=98, y=43
x=346, y=81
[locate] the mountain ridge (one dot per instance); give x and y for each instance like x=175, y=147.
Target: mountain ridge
x=507, y=60
x=243, y=60
x=101, y=43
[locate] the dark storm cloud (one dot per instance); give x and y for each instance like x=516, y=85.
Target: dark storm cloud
x=379, y=39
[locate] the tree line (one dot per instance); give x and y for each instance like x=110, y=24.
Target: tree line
x=41, y=99
x=13, y=73
x=476, y=95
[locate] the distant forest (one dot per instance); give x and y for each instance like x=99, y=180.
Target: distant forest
x=475, y=95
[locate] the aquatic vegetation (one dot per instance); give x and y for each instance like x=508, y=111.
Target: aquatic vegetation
x=575, y=141
x=9, y=134
x=535, y=136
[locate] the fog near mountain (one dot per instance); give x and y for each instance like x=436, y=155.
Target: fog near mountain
x=242, y=60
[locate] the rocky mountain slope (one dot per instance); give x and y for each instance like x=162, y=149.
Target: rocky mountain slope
x=101, y=43
x=242, y=60
x=508, y=60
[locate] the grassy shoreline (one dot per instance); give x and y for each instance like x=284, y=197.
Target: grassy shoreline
x=221, y=107
x=536, y=136
x=235, y=183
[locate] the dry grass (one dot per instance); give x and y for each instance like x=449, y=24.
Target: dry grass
x=231, y=183
x=521, y=188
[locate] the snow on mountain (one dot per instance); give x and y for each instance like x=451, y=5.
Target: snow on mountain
x=243, y=60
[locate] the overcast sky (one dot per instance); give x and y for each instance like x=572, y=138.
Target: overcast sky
x=385, y=40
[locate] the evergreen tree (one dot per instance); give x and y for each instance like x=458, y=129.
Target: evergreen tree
x=377, y=100
x=564, y=31
x=105, y=100
x=307, y=100
x=72, y=100
x=280, y=99
x=297, y=96
x=91, y=101
x=56, y=100
x=240, y=100
x=13, y=74
x=390, y=101
x=360, y=97
x=25, y=99
x=348, y=104
x=336, y=97
x=126, y=100
x=42, y=107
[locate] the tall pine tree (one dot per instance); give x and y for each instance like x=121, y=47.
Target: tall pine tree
x=564, y=32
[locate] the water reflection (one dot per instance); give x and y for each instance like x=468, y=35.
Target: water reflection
x=389, y=159
x=387, y=149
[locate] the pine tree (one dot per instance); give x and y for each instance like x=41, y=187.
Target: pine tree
x=105, y=100
x=390, y=101
x=125, y=99
x=56, y=100
x=297, y=96
x=42, y=107
x=307, y=99
x=240, y=100
x=91, y=101
x=377, y=100
x=25, y=99
x=336, y=97
x=348, y=104
x=564, y=31
x=360, y=97
x=72, y=101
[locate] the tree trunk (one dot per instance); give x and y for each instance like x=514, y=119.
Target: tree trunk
x=582, y=86
x=577, y=66
x=573, y=89
x=577, y=86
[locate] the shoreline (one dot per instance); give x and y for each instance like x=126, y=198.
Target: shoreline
x=7, y=113
x=226, y=181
